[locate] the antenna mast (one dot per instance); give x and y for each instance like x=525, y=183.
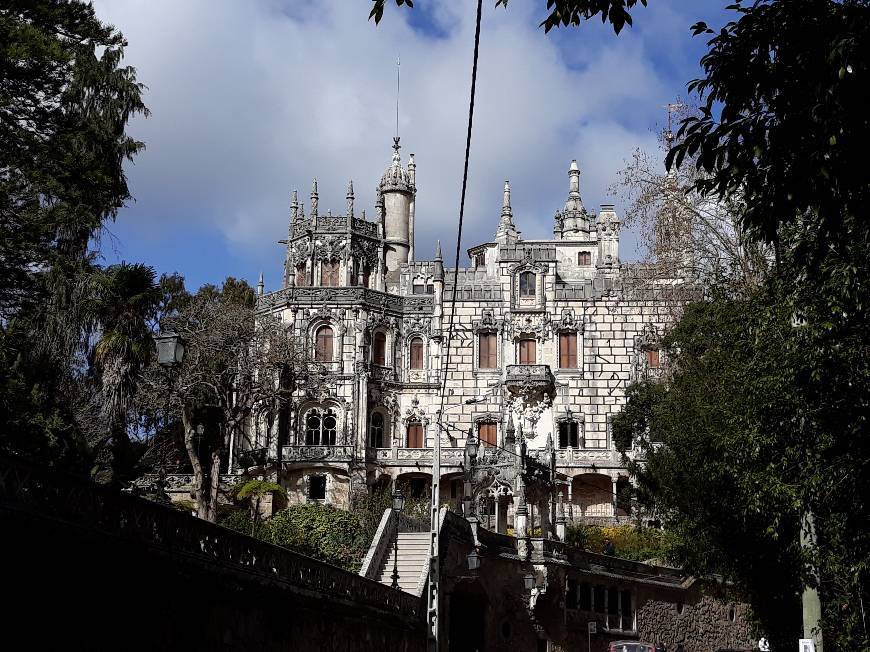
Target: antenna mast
x=398, y=65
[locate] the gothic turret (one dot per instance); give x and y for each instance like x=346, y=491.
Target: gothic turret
x=608, y=240
x=397, y=191
x=572, y=222
x=507, y=233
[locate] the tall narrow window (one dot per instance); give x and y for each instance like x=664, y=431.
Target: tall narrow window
x=415, y=435
x=487, y=352
x=321, y=428
x=323, y=345
x=329, y=273
x=567, y=350
x=569, y=434
x=528, y=351
x=301, y=276
x=652, y=358
x=488, y=434
x=527, y=284
x=366, y=276
x=416, y=350
x=480, y=260
x=376, y=430
x=379, y=349
x=312, y=428
x=584, y=258
x=330, y=429
x=317, y=487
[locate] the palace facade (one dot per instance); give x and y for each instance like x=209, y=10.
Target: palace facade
x=546, y=336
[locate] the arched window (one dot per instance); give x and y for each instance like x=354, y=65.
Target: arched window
x=415, y=434
x=301, y=277
x=527, y=284
x=321, y=427
x=323, y=345
x=376, y=430
x=528, y=351
x=487, y=432
x=379, y=348
x=329, y=273
x=567, y=350
x=416, y=350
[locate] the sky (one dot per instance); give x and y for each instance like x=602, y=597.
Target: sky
x=250, y=100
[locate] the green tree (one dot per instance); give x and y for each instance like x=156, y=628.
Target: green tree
x=122, y=300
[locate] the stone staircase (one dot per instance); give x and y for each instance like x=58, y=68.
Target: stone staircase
x=413, y=559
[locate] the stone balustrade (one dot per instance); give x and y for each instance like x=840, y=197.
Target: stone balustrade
x=317, y=453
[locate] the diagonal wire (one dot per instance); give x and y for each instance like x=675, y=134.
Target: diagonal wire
x=461, y=211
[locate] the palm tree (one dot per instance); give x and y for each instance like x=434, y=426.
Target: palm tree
x=122, y=301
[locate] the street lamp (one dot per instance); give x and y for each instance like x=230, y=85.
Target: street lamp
x=473, y=560
x=398, y=506
x=170, y=348
x=529, y=582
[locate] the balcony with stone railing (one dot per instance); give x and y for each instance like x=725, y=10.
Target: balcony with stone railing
x=450, y=457
x=571, y=457
x=317, y=453
x=530, y=377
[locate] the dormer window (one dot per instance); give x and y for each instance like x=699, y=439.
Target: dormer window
x=479, y=260
x=584, y=258
x=527, y=285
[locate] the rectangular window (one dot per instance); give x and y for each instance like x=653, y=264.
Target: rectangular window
x=317, y=487
x=585, y=595
x=652, y=358
x=567, y=350
x=571, y=595
x=488, y=434
x=527, y=285
x=487, y=354
x=329, y=273
x=480, y=260
x=528, y=352
x=416, y=353
x=569, y=434
x=415, y=435
x=584, y=258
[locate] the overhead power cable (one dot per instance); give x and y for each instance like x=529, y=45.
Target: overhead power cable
x=461, y=211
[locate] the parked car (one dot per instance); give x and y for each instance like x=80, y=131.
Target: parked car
x=630, y=646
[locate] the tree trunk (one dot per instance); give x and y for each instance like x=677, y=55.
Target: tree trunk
x=206, y=477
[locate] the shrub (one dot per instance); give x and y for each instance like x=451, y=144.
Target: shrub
x=629, y=541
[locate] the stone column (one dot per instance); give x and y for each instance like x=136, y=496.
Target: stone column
x=561, y=521
x=614, y=480
x=544, y=508
x=501, y=511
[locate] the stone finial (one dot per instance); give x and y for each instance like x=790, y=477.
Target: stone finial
x=261, y=285
x=350, y=198
x=507, y=233
x=412, y=170
x=314, y=198
x=438, y=250
x=574, y=180
x=294, y=205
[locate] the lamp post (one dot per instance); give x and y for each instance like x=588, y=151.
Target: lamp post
x=398, y=506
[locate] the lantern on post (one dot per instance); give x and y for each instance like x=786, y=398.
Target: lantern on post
x=170, y=349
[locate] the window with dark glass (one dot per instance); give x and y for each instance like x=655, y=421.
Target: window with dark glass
x=323, y=345
x=415, y=435
x=419, y=287
x=329, y=273
x=584, y=258
x=567, y=350
x=528, y=351
x=416, y=348
x=527, y=284
x=379, y=349
x=376, y=430
x=488, y=433
x=487, y=353
x=321, y=428
x=569, y=434
x=301, y=277
x=317, y=487
x=652, y=358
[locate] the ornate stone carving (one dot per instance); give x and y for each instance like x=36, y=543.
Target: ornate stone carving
x=537, y=324
x=327, y=248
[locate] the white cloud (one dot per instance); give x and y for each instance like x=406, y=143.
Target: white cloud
x=251, y=99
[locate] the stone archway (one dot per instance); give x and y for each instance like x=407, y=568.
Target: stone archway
x=592, y=495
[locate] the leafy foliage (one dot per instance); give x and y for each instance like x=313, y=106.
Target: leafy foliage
x=562, y=12
x=629, y=541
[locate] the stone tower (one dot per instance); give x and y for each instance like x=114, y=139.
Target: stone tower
x=396, y=193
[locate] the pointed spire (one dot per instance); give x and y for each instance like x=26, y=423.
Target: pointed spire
x=412, y=170
x=302, y=210
x=294, y=205
x=350, y=198
x=506, y=233
x=261, y=285
x=314, y=198
x=574, y=180
x=438, y=250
